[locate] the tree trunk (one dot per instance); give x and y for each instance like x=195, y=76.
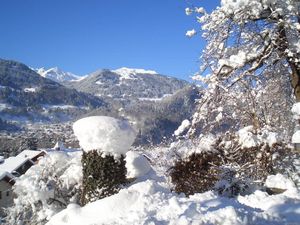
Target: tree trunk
x=283, y=45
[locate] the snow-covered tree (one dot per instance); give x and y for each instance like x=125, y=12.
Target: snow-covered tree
x=46, y=189
x=252, y=54
x=249, y=70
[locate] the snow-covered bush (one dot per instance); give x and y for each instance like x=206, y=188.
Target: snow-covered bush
x=237, y=162
x=229, y=183
x=105, y=141
x=198, y=173
x=46, y=188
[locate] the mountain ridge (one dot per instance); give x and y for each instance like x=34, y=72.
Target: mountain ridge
x=127, y=83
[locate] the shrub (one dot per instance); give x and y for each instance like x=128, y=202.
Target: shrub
x=230, y=169
x=197, y=173
x=102, y=176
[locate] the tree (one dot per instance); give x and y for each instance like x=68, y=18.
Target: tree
x=251, y=46
x=250, y=69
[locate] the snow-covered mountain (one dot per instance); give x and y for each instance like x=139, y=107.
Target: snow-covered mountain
x=128, y=83
x=149, y=99
x=57, y=74
x=27, y=96
x=130, y=73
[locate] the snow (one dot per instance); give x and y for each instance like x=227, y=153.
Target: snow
x=106, y=134
x=234, y=60
x=46, y=107
x=129, y=73
x=206, y=143
x=99, y=82
x=29, y=154
x=155, y=99
x=280, y=181
x=248, y=138
x=36, y=187
x=136, y=164
x=190, y=33
x=296, y=137
x=296, y=111
x=230, y=6
x=199, y=10
x=4, y=106
x=30, y=90
x=188, y=11
x=59, y=146
x=219, y=117
x=57, y=74
x=149, y=202
x=184, y=125
x=12, y=163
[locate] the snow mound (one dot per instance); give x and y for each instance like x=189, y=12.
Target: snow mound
x=136, y=164
x=280, y=181
x=106, y=134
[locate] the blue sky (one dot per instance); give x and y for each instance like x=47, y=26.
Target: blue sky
x=83, y=36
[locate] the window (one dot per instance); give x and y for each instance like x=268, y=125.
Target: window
x=0, y=194
x=7, y=193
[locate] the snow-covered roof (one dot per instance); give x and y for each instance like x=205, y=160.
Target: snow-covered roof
x=12, y=163
x=29, y=154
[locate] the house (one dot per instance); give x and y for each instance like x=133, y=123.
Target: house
x=59, y=146
x=15, y=165
x=11, y=168
x=6, y=195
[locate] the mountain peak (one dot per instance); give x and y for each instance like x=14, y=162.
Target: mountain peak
x=56, y=74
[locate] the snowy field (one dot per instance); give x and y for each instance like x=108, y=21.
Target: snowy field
x=149, y=200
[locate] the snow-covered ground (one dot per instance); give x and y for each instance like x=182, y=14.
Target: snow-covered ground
x=149, y=200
